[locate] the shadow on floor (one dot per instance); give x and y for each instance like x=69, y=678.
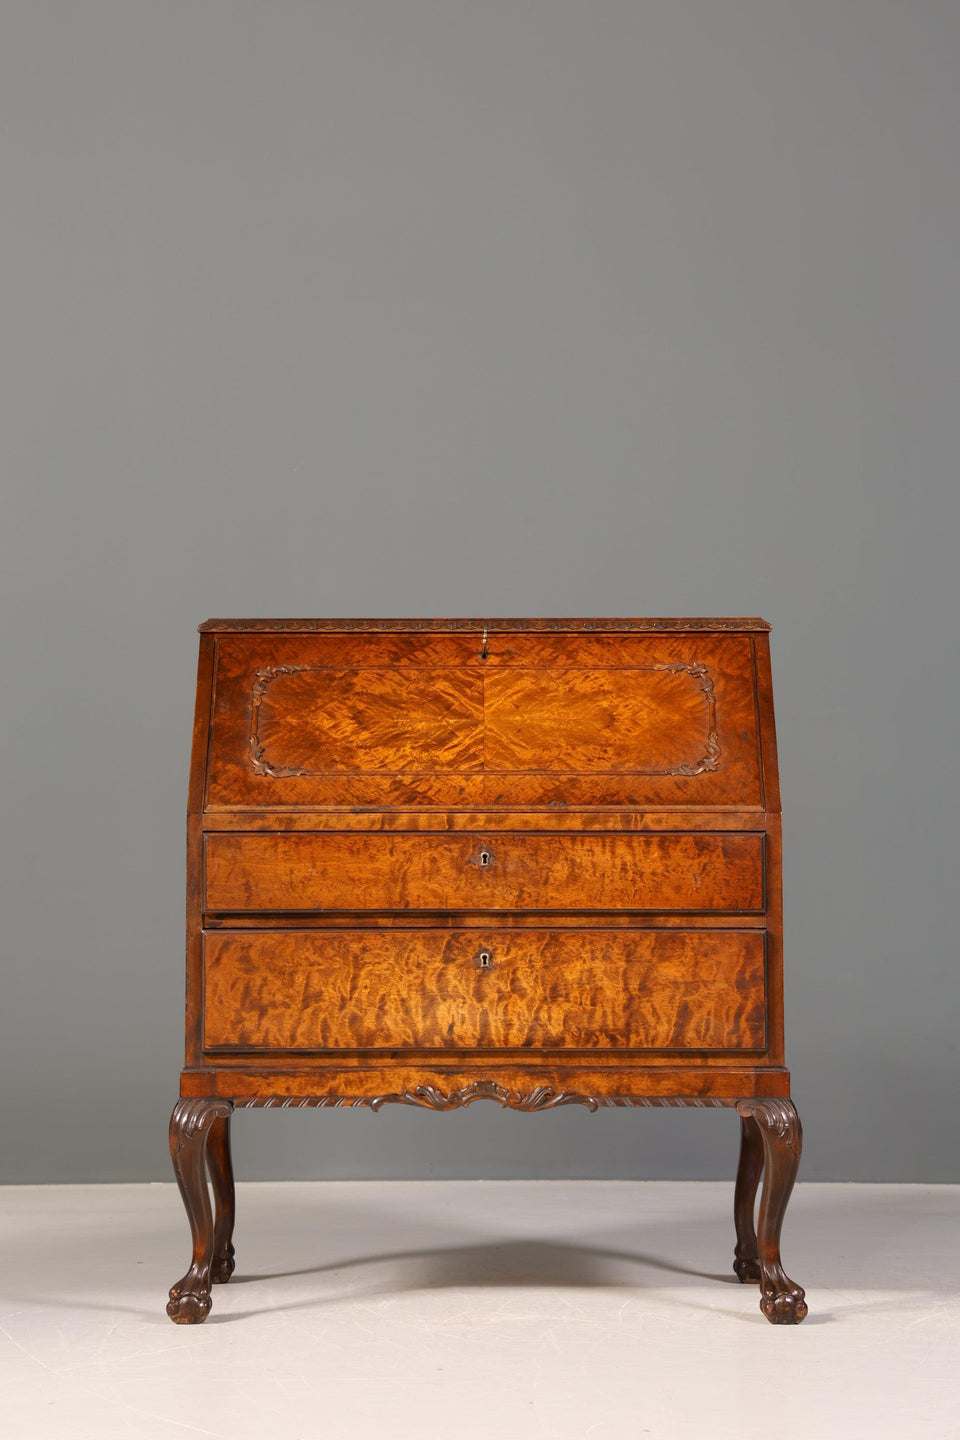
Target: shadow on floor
x=506, y=1262
x=836, y=1238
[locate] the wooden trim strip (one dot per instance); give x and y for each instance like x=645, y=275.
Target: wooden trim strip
x=494, y=626
x=431, y=819
x=686, y=1083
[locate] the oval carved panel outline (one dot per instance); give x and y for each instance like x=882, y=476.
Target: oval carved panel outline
x=270, y=766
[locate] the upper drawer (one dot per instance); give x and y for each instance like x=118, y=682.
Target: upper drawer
x=495, y=871
x=444, y=719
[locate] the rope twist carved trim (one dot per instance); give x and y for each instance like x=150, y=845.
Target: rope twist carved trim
x=428, y=1097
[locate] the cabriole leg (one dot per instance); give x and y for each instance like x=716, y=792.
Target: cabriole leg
x=781, y=1300
x=190, y=1126
x=746, y=1257
x=220, y=1165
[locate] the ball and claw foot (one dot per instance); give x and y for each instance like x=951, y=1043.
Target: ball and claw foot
x=186, y=1306
x=747, y=1271
x=222, y=1268
x=782, y=1301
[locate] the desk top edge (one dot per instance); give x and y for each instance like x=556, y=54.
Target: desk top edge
x=494, y=625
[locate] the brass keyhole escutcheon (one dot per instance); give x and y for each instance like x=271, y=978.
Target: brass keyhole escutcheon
x=483, y=960
x=482, y=858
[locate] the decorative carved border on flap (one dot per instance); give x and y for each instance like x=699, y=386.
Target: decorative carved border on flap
x=708, y=761
x=428, y=1097
x=260, y=685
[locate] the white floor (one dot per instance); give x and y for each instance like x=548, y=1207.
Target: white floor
x=461, y=1310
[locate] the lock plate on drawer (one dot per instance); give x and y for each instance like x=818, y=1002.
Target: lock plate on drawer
x=483, y=960
x=482, y=858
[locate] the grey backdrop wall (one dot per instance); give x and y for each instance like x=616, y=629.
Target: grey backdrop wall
x=386, y=307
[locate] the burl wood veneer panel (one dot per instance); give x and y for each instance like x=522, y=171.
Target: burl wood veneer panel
x=319, y=721
x=641, y=989
x=384, y=871
x=444, y=720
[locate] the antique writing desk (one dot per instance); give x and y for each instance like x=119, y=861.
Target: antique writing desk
x=530, y=861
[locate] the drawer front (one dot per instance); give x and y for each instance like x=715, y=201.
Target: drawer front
x=465, y=872
x=496, y=989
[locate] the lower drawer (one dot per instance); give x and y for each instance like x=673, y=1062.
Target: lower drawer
x=486, y=989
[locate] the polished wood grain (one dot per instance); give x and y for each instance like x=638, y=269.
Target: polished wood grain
x=591, y=805
x=431, y=719
x=319, y=721
x=345, y=1080
x=658, y=719
x=268, y=819
x=449, y=872
x=314, y=720
x=481, y=919
x=353, y=990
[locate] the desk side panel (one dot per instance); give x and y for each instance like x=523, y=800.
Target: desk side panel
x=203, y=708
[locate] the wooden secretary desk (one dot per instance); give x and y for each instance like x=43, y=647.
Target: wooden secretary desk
x=432, y=862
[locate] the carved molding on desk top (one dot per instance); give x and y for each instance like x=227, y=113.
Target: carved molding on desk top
x=495, y=626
